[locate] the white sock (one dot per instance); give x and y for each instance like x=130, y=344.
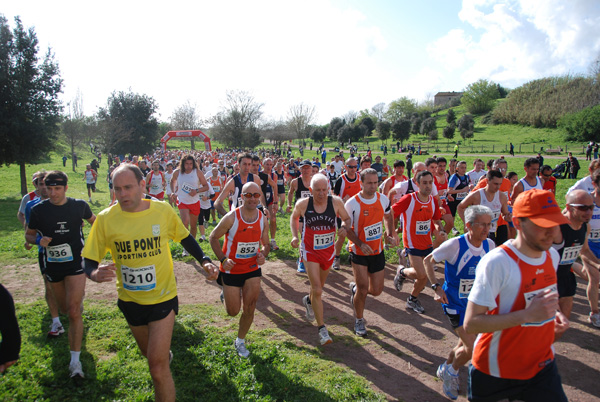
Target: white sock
x=56, y=320
x=451, y=370
x=238, y=341
x=75, y=357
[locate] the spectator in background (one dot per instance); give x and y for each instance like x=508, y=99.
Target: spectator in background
x=548, y=181
x=572, y=167
x=540, y=158
x=9, y=327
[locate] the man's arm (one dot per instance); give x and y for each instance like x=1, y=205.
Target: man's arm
x=174, y=182
x=202, y=181
x=191, y=246
x=219, y=231
x=224, y=194
x=471, y=199
x=299, y=210
x=517, y=189
x=290, y=196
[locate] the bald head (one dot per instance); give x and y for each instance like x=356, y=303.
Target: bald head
x=318, y=179
x=579, y=197
x=419, y=167
x=250, y=187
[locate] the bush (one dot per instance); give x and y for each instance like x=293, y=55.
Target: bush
x=480, y=96
x=582, y=126
x=541, y=103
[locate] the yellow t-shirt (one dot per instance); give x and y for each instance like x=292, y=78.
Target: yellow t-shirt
x=139, y=245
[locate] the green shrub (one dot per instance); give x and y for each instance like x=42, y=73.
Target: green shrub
x=583, y=125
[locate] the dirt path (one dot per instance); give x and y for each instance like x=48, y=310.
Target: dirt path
x=403, y=349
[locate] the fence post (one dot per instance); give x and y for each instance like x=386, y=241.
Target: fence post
x=520, y=148
x=492, y=148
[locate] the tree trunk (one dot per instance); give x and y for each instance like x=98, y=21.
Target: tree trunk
x=73, y=153
x=193, y=144
x=23, y=178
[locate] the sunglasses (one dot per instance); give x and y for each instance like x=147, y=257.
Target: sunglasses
x=351, y=166
x=582, y=207
x=250, y=195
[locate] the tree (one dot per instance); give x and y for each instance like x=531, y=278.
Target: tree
x=29, y=105
x=401, y=108
x=433, y=135
x=186, y=117
x=428, y=125
x=449, y=130
x=369, y=125
x=128, y=124
x=401, y=130
x=237, y=124
x=300, y=117
x=378, y=111
x=480, y=96
x=277, y=131
x=451, y=116
x=582, y=126
x=318, y=134
x=350, y=117
x=73, y=126
x=383, y=130
x=415, y=123
x=466, y=126
x=334, y=126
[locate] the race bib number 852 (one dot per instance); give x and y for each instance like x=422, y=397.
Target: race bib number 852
x=246, y=250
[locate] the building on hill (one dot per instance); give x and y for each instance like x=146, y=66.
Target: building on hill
x=441, y=98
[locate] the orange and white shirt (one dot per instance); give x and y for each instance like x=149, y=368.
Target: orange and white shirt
x=417, y=218
x=506, y=281
x=217, y=185
x=347, y=187
x=366, y=217
x=242, y=243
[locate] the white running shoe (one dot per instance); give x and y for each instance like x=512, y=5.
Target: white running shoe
x=75, y=370
x=185, y=253
x=450, y=385
x=56, y=329
x=324, y=337
x=310, y=314
x=241, y=350
x=441, y=370
x=399, y=279
x=415, y=304
x=594, y=319
x=274, y=246
x=336, y=263
x=360, y=328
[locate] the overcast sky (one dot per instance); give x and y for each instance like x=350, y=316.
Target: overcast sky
x=332, y=54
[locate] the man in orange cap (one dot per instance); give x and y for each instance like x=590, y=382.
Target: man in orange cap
x=513, y=306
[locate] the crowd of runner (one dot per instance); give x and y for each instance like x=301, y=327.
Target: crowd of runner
x=509, y=277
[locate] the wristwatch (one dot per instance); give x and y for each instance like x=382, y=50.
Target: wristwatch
x=435, y=286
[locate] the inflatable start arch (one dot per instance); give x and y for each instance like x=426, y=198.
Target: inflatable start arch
x=185, y=134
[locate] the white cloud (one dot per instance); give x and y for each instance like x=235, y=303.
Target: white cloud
x=520, y=40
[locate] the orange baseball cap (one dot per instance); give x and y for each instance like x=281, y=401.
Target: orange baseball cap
x=540, y=207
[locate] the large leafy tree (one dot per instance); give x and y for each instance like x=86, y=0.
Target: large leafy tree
x=237, y=124
x=401, y=108
x=128, y=124
x=383, y=130
x=29, y=105
x=334, y=127
x=300, y=118
x=401, y=129
x=480, y=96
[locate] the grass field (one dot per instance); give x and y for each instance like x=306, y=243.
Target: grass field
x=279, y=370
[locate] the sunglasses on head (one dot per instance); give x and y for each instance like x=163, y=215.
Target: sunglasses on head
x=250, y=195
x=582, y=207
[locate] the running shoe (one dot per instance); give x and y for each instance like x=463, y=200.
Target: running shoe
x=222, y=297
x=450, y=385
x=185, y=253
x=274, y=246
x=594, y=319
x=241, y=350
x=455, y=231
x=441, y=371
x=336, y=263
x=399, y=279
x=415, y=304
x=202, y=238
x=360, y=327
x=301, y=268
x=310, y=314
x=215, y=222
x=352, y=292
x=75, y=370
x=56, y=329
x=324, y=337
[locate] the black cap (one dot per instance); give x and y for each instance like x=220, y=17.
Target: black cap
x=305, y=162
